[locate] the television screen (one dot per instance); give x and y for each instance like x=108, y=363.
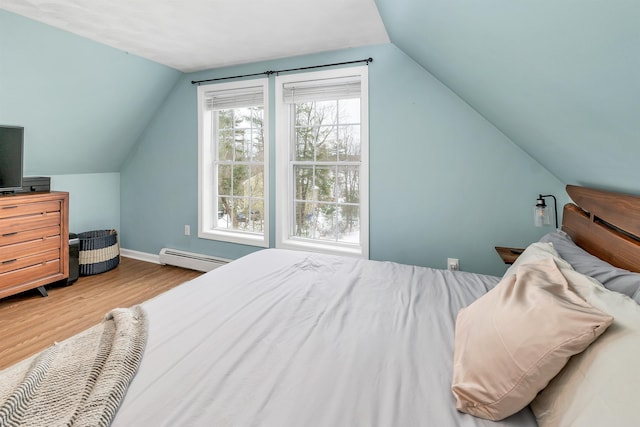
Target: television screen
x=11, y=149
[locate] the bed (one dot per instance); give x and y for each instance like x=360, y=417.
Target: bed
x=283, y=338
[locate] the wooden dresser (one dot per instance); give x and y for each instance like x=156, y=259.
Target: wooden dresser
x=34, y=241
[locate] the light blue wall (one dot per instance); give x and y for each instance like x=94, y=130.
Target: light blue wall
x=83, y=106
x=560, y=79
x=444, y=181
x=94, y=200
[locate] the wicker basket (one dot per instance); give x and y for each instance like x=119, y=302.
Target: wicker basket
x=99, y=251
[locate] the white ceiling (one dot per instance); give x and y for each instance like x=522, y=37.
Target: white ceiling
x=193, y=35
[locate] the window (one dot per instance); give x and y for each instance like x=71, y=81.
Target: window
x=322, y=161
x=233, y=174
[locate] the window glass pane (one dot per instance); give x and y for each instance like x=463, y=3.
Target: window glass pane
x=225, y=119
x=241, y=214
x=256, y=181
x=257, y=206
x=225, y=208
x=257, y=145
x=304, y=219
x=242, y=145
x=240, y=135
x=349, y=143
x=303, y=182
x=240, y=180
x=305, y=143
x=243, y=118
x=256, y=221
x=316, y=138
x=325, y=112
x=224, y=180
x=348, y=223
x=326, y=144
x=225, y=144
x=349, y=111
x=325, y=181
x=315, y=132
x=325, y=221
x=348, y=185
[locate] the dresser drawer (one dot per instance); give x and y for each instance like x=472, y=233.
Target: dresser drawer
x=29, y=261
x=10, y=225
x=12, y=237
x=29, y=274
x=32, y=247
x=11, y=210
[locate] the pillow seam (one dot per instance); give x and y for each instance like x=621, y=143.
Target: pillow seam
x=524, y=374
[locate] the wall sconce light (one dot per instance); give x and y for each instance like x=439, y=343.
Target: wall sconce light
x=541, y=214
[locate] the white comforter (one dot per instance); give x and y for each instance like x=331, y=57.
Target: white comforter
x=290, y=339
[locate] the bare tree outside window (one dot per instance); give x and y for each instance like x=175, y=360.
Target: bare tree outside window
x=326, y=169
x=240, y=168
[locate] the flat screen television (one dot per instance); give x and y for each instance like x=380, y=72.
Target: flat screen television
x=11, y=158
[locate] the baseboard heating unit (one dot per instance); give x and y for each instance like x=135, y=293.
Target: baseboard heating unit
x=190, y=260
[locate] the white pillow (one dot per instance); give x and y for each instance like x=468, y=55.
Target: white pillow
x=613, y=278
x=600, y=386
x=536, y=252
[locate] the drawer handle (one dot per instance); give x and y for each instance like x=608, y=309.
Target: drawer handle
x=10, y=234
x=9, y=207
x=9, y=261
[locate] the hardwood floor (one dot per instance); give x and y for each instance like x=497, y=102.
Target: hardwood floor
x=30, y=323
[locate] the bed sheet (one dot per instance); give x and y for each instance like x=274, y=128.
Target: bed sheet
x=281, y=338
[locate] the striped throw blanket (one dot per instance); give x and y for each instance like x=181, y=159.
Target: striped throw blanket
x=80, y=381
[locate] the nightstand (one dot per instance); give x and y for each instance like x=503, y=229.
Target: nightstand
x=509, y=255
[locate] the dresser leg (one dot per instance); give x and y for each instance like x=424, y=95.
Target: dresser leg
x=42, y=291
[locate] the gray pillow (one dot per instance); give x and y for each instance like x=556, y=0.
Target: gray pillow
x=613, y=278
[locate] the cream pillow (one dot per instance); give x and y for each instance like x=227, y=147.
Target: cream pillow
x=600, y=386
x=513, y=340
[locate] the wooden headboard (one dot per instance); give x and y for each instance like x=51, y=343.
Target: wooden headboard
x=605, y=224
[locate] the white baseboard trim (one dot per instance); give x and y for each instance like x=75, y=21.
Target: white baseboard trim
x=142, y=256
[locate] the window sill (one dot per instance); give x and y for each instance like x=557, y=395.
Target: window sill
x=235, y=237
x=331, y=249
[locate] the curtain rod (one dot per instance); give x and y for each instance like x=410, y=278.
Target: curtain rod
x=268, y=73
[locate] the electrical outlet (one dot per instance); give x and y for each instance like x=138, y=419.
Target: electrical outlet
x=187, y=230
x=453, y=264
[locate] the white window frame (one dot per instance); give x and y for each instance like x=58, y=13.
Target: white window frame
x=207, y=180
x=284, y=168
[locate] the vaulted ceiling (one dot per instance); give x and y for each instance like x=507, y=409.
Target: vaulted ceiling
x=560, y=79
